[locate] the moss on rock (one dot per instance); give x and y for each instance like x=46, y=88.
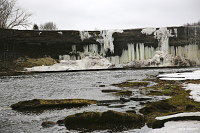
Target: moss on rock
x=123, y=93
x=26, y=62
x=43, y=103
x=103, y=120
x=179, y=101
x=131, y=84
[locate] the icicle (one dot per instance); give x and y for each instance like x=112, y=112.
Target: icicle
x=106, y=39
x=137, y=52
x=74, y=48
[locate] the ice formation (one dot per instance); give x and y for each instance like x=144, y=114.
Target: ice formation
x=148, y=31
x=161, y=56
x=163, y=35
x=106, y=39
x=89, y=62
x=138, y=54
x=84, y=35
x=60, y=32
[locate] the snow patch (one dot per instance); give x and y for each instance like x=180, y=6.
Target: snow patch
x=60, y=32
x=195, y=91
x=148, y=31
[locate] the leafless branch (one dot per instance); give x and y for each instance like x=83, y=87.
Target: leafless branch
x=11, y=16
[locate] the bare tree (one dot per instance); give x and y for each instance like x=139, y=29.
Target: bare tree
x=11, y=16
x=35, y=27
x=193, y=24
x=48, y=26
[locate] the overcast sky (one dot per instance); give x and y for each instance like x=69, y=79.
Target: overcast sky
x=112, y=14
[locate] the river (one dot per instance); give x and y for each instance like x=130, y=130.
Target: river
x=66, y=85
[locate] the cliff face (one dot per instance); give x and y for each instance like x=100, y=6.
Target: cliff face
x=118, y=46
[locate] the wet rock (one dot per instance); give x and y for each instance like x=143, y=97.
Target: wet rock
x=47, y=124
x=103, y=120
x=140, y=99
x=45, y=104
x=132, y=107
x=103, y=104
x=130, y=111
x=123, y=93
x=109, y=91
x=143, y=103
x=109, y=101
x=189, y=107
x=131, y=84
x=160, y=106
x=102, y=85
x=60, y=122
x=125, y=99
x=117, y=106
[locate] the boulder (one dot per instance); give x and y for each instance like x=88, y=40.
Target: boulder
x=159, y=106
x=47, y=124
x=103, y=120
x=45, y=104
x=131, y=84
x=109, y=91
x=140, y=98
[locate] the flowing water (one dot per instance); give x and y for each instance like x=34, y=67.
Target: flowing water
x=66, y=85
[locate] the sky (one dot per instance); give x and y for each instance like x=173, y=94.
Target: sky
x=112, y=14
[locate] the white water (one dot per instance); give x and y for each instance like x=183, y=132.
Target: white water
x=89, y=62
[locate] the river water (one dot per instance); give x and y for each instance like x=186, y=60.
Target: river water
x=65, y=85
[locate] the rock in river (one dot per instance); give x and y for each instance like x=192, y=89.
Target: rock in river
x=103, y=120
x=47, y=124
x=45, y=104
